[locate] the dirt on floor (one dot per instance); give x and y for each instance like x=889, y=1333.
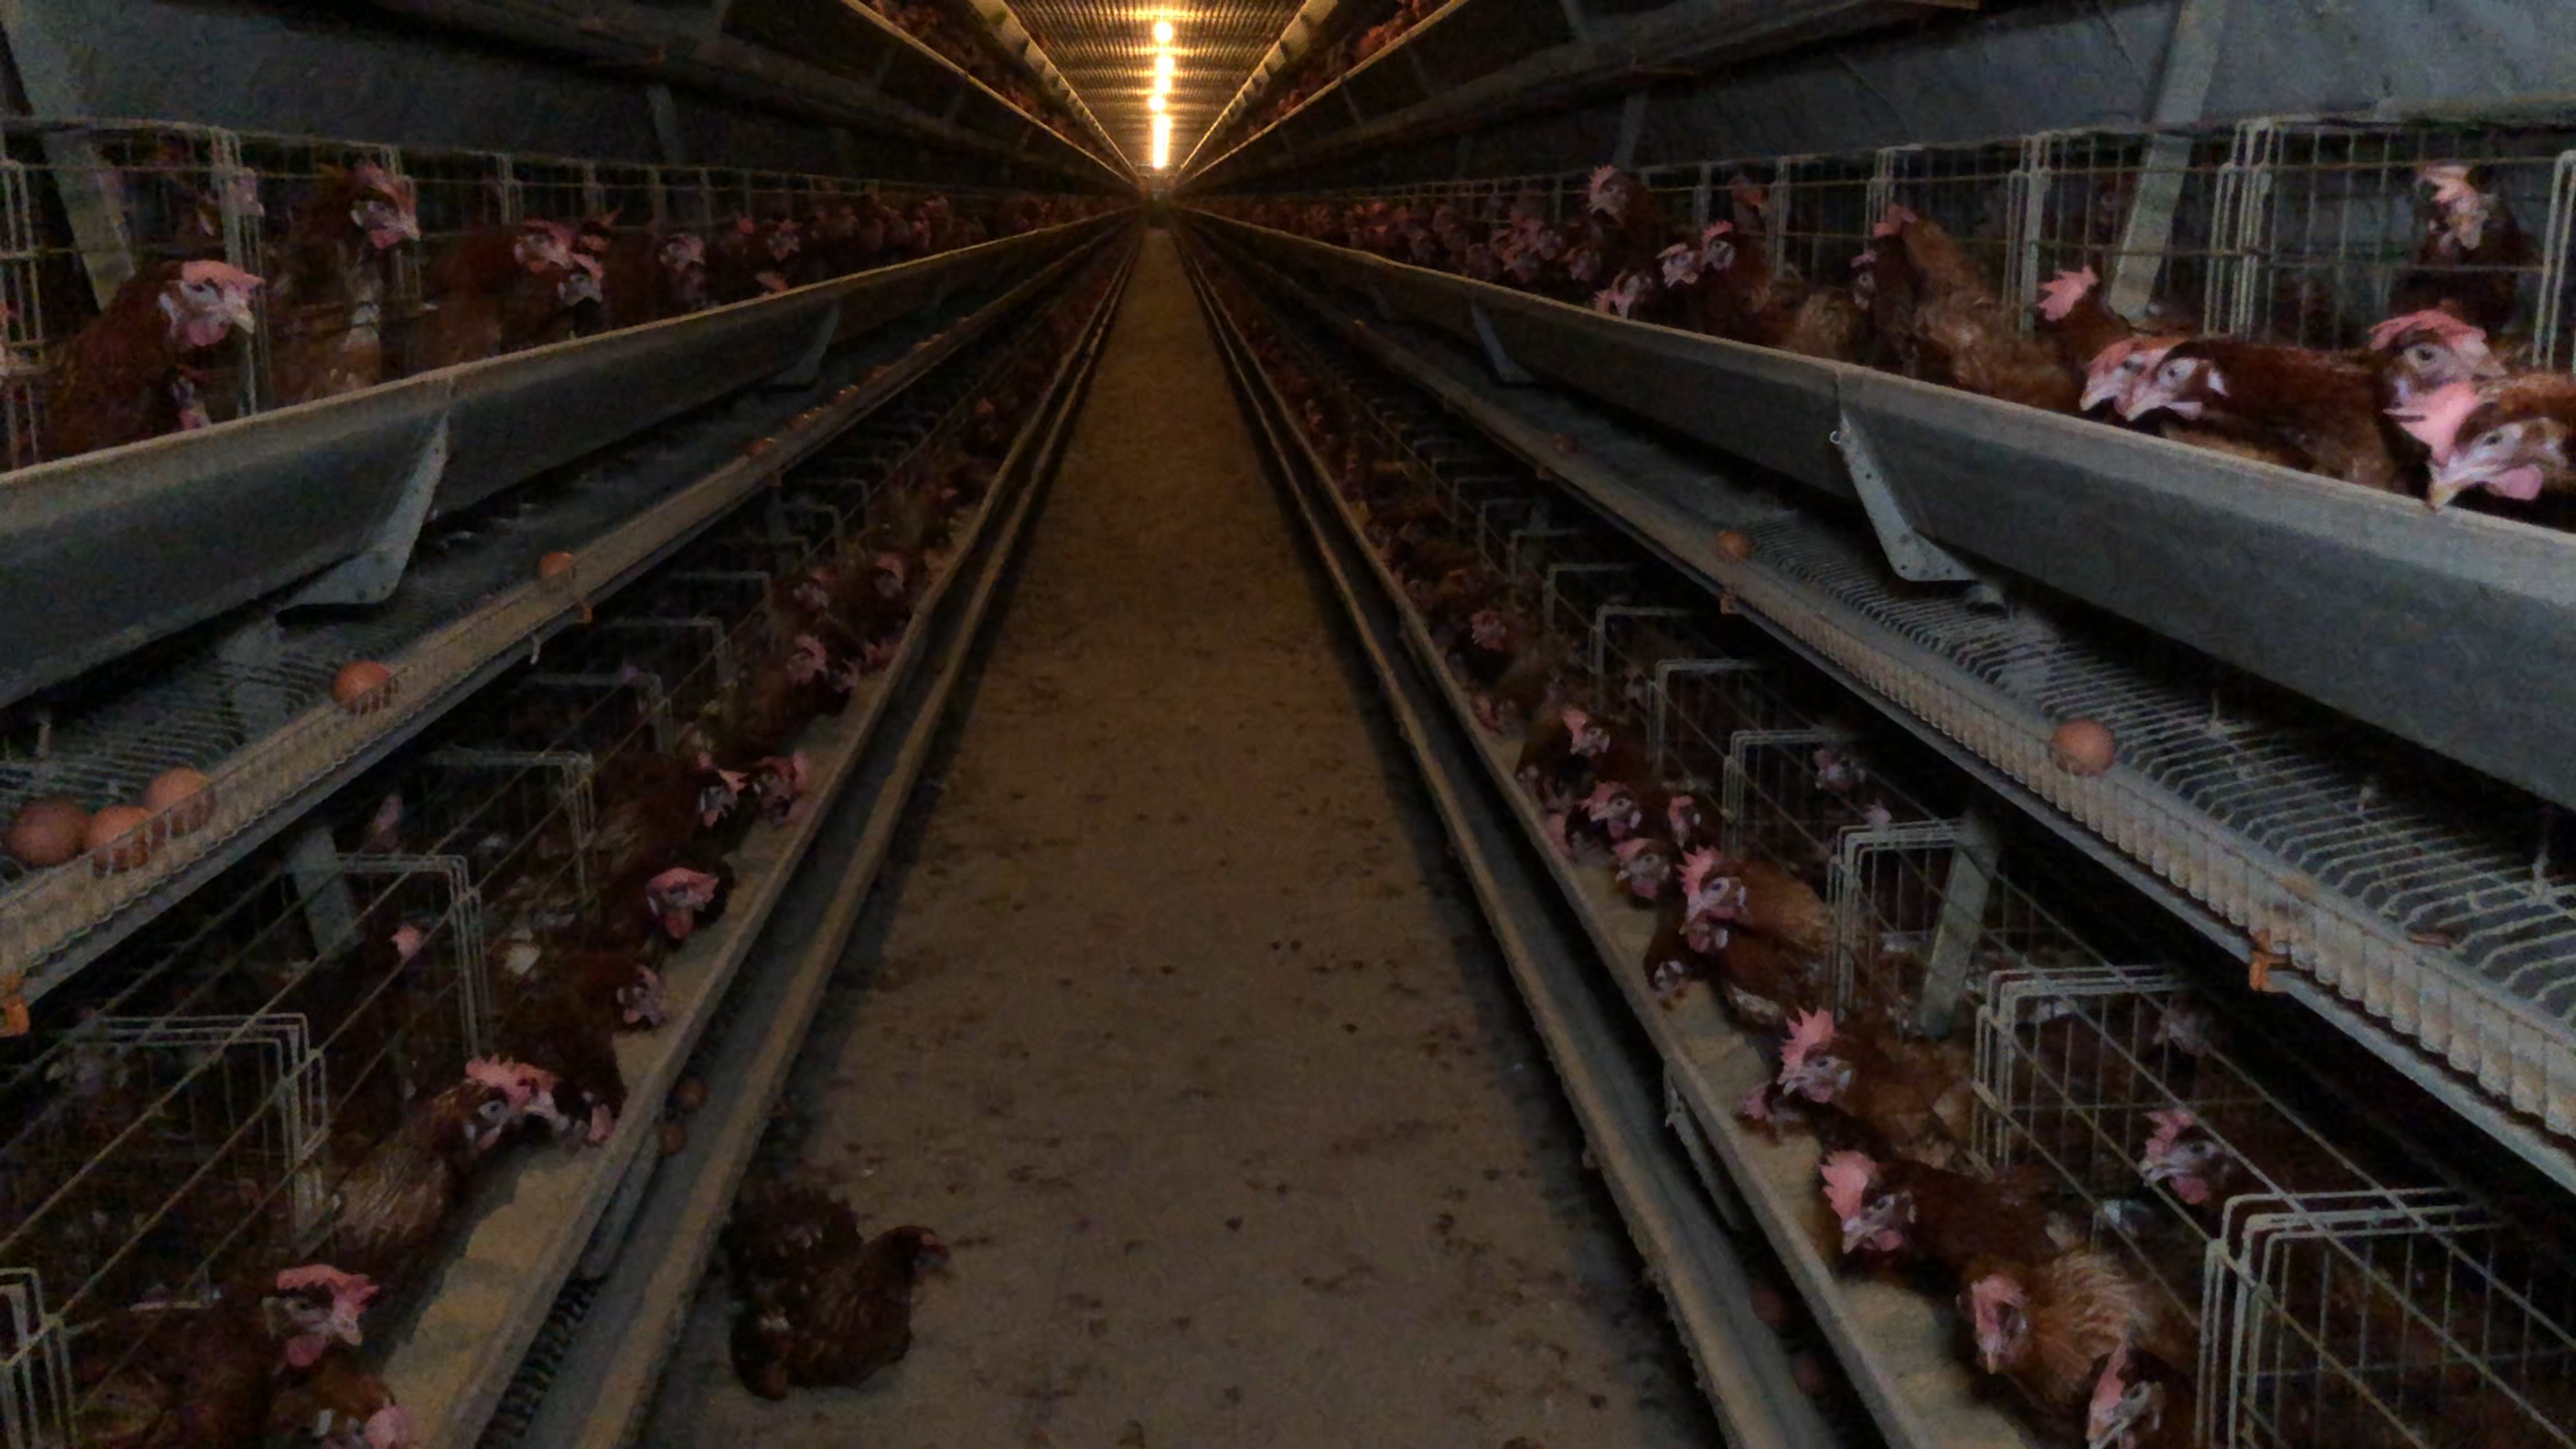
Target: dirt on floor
x=1173, y=1019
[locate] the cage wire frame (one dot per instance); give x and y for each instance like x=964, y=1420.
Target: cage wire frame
x=2207, y=222
x=35, y=1373
x=36, y=1391
x=271, y=1096
x=2259, y=1298
x=238, y=191
x=2053, y=976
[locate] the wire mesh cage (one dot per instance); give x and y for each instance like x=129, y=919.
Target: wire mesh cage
x=2328, y=226
x=35, y=1371
x=154, y=1158
x=2137, y=209
x=2072, y=1063
x=2412, y=1318
x=87, y=208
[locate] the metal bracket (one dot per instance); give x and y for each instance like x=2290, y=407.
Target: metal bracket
x=1963, y=914
x=1506, y=371
x=44, y=43
x=666, y=123
x=1914, y=557
x=1632, y=123
x=1378, y=303
x=2182, y=90
x=1422, y=77
x=322, y=886
x=1576, y=20
x=372, y=575
x=1351, y=103
x=809, y=364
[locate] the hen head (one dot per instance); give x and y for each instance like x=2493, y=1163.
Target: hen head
x=544, y=248
x=1609, y=192
x=675, y=897
x=1614, y=805
x=2184, y=381
x=2180, y=1155
x=927, y=1251
x=2188, y=1027
x=2430, y=350
x=505, y=1093
x=1622, y=295
x=683, y=253
x=780, y=781
x=2513, y=449
x=2465, y=210
x=314, y=1307
x=382, y=206
x=1872, y=1221
x=1682, y=814
x=639, y=1002
x=1591, y=738
x=2120, y=1409
x=1807, y=1067
x=1998, y=1313
x=1645, y=864
x=891, y=575
x=2061, y=294
x=2117, y=368
x=1708, y=894
x=1681, y=264
x=206, y=301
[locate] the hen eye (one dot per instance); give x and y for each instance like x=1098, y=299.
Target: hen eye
x=493, y=1111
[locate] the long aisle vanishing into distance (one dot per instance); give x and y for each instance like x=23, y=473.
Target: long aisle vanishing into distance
x=1172, y=1018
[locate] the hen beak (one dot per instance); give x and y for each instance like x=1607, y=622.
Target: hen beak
x=2444, y=489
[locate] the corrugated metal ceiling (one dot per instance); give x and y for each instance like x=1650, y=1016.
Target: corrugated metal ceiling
x=1105, y=51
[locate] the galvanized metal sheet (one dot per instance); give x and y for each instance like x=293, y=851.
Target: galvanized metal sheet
x=104, y=553
x=2454, y=630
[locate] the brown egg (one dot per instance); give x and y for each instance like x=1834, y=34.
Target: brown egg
x=758, y=446
x=48, y=832
x=363, y=686
x=1735, y=543
x=847, y=394
x=689, y=1094
x=184, y=799
x=1769, y=1307
x=119, y=838
x=558, y=562
x=1564, y=444
x=1809, y=1372
x=2083, y=747
x=675, y=1138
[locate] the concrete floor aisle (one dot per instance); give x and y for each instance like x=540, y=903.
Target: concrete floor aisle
x=1172, y=1019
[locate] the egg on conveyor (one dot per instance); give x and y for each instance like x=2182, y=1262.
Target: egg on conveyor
x=2083, y=747
x=120, y=838
x=48, y=832
x=184, y=798
x=360, y=686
